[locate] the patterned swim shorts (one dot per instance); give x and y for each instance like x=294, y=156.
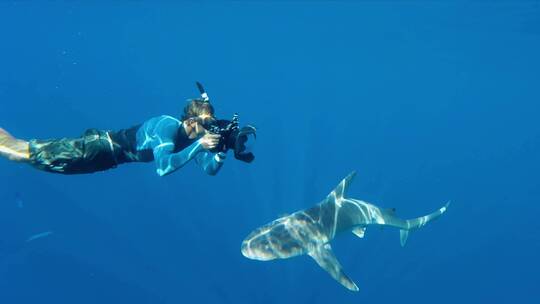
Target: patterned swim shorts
x=93, y=151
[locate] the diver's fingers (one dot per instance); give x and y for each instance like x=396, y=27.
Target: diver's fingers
x=211, y=136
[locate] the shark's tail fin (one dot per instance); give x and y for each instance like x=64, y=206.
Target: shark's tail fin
x=419, y=222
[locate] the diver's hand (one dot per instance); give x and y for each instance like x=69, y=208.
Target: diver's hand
x=209, y=141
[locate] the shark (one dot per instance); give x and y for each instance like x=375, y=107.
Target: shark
x=309, y=231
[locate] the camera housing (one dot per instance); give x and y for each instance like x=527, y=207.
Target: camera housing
x=233, y=137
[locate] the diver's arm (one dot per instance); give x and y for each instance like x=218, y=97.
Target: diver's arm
x=168, y=162
x=211, y=162
x=158, y=134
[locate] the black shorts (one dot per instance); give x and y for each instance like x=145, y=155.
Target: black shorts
x=94, y=151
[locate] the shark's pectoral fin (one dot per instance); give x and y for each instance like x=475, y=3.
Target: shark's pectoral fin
x=324, y=256
x=359, y=231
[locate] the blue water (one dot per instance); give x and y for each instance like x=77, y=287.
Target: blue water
x=427, y=102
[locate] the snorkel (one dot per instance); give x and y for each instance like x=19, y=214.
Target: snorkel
x=232, y=136
x=204, y=95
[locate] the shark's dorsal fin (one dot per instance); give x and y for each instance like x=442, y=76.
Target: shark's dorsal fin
x=359, y=231
x=324, y=256
x=341, y=190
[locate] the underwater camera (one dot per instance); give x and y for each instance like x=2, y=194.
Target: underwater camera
x=232, y=136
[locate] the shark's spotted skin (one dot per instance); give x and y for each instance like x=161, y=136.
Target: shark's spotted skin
x=310, y=231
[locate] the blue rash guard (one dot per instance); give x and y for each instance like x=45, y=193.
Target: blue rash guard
x=171, y=148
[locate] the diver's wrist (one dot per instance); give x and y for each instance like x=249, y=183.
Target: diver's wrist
x=200, y=145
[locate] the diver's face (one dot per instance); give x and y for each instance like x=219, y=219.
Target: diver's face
x=194, y=129
x=199, y=130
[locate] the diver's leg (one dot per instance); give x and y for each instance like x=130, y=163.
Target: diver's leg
x=13, y=148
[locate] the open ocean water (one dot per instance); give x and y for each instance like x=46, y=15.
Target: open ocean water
x=428, y=102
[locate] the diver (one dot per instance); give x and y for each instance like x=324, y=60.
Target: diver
x=169, y=142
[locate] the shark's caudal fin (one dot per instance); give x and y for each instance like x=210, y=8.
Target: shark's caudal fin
x=419, y=222
x=339, y=192
x=324, y=256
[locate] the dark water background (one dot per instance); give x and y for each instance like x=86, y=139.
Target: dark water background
x=428, y=102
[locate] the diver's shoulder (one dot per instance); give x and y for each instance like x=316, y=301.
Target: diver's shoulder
x=164, y=119
x=171, y=119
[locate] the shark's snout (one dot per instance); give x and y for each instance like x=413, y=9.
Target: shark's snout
x=277, y=240
x=245, y=251
x=256, y=247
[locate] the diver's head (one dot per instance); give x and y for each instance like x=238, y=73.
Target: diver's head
x=197, y=117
